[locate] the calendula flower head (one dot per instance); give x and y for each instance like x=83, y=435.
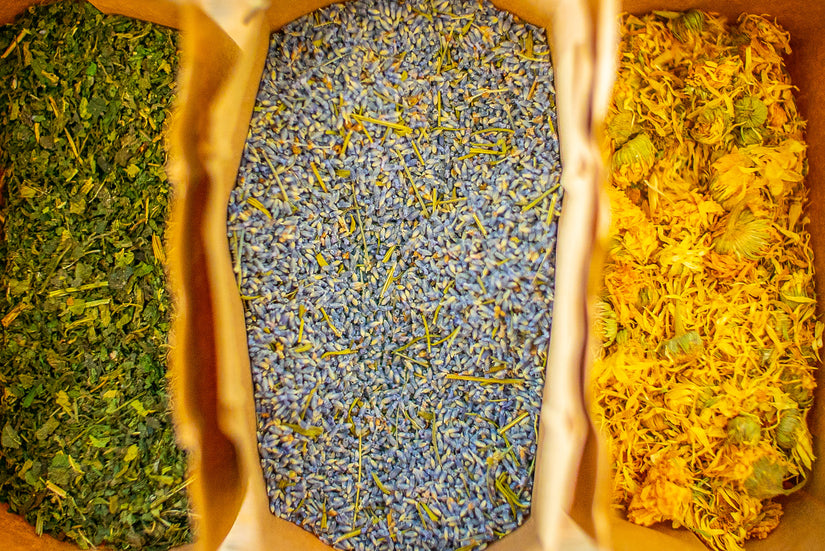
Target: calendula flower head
x=744, y=235
x=790, y=421
x=687, y=25
x=684, y=347
x=748, y=135
x=710, y=126
x=744, y=429
x=766, y=479
x=665, y=495
x=766, y=31
x=750, y=111
x=621, y=127
x=797, y=289
x=799, y=386
x=734, y=180
x=606, y=323
x=634, y=235
x=751, y=114
x=633, y=161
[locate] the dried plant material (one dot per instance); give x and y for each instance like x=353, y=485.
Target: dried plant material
x=88, y=452
x=688, y=23
x=685, y=346
x=710, y=126
x=789, y=423
x=744, y=235
x=750, y=112
x=606, y=325
x=744, y=429
x=397, y=339
x=766, y=479
x=707, y=320
x=635, y=159
x=620, y=128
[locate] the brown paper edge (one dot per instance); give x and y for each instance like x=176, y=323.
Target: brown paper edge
x=10, y=9
x=161, y=12
x=591, y=507
x=215, y=454
x=564, y=429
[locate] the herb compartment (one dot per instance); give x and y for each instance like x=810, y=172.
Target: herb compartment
x=227, y=52
x=800, y=526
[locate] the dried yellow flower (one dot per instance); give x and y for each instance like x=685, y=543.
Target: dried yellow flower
x=789, y=423
x=687, y=346
x=688, y=23
x=744, y=429
x=708, y=317
x=621, y=126
x=607, y=325
x=744, y=235
x=747, y=135
x=634, y=160
x=766, y=479
x=710, y=126
x=734, y=179
x=750, y=111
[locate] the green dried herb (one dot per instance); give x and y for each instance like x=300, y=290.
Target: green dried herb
x=88, y=451
x=767, y=478
x=744, y=429
x=789, y=423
